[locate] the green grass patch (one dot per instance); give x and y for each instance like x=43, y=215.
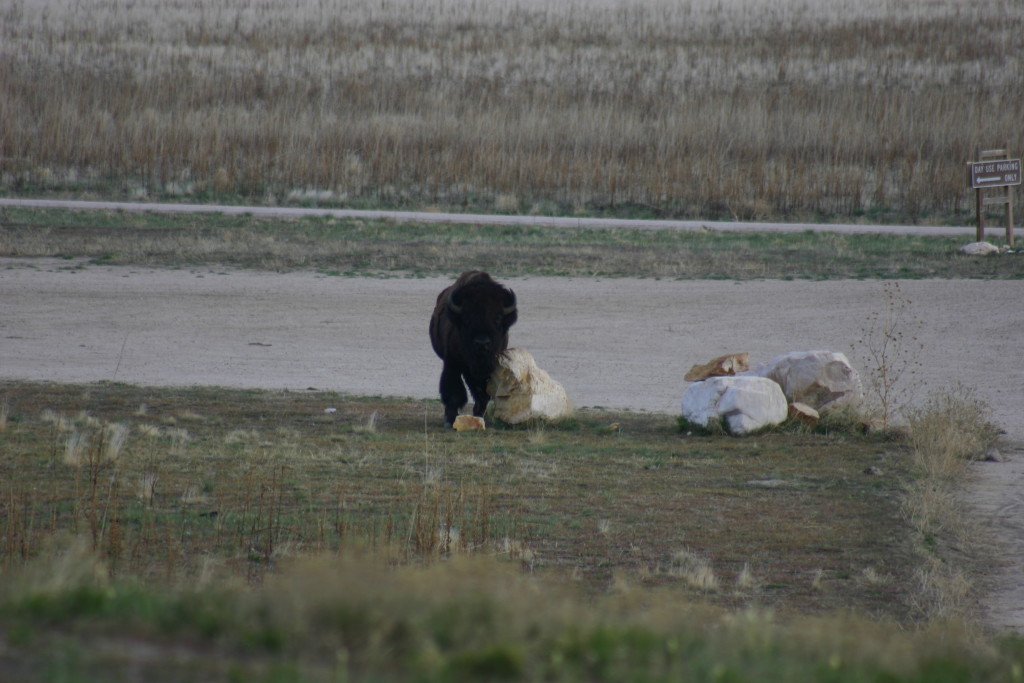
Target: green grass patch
x=383, y=248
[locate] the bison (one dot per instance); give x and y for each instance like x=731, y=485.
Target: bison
x=468, y=329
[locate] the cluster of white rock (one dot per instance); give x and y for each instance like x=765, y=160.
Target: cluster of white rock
x=799, y=384
x=745, y=400
x=725, y=390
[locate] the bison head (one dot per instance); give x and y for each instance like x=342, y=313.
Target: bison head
x=482, y=312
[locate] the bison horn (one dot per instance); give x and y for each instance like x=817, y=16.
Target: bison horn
x=510, y=302
x=455, y=308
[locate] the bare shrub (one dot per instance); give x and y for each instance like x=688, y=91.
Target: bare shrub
x=891, y=346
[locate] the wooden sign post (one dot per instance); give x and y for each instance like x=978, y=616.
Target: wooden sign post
x=994, y=168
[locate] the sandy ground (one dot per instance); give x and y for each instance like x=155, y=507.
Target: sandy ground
x=613, y=343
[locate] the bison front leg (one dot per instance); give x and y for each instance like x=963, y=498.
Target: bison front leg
x=453, y=394
x=480, y=396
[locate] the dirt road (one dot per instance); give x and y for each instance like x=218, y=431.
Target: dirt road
x=613, y=343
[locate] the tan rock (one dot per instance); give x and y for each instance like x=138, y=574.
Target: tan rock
x=469, y=423
x=522, y=391
x=804, y=413
x=729, y=364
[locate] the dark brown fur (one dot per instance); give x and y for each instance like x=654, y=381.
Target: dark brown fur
x=468, y=329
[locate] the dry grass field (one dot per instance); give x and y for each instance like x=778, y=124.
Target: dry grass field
x=745, y=108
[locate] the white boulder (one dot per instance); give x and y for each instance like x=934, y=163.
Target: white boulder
x=521, y=391
x=744, y=404
x=820, y=379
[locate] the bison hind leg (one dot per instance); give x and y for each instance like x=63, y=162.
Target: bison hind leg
x=453, y=394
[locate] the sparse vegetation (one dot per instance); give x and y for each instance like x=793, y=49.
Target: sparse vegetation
x=737, y=109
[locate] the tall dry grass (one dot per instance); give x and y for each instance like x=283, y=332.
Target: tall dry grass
x=743, y=108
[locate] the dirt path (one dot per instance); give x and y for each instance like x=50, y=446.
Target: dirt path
x=612, y=343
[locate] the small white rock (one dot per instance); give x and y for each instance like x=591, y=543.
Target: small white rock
x=979, y=249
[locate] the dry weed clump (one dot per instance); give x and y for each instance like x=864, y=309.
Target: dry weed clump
x=744, y=109
x=694, y=570
x=949, y=429
x=943, y=434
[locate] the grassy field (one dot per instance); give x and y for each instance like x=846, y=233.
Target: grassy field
x=383, y=248
x=743, y=108
x=246, y=535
